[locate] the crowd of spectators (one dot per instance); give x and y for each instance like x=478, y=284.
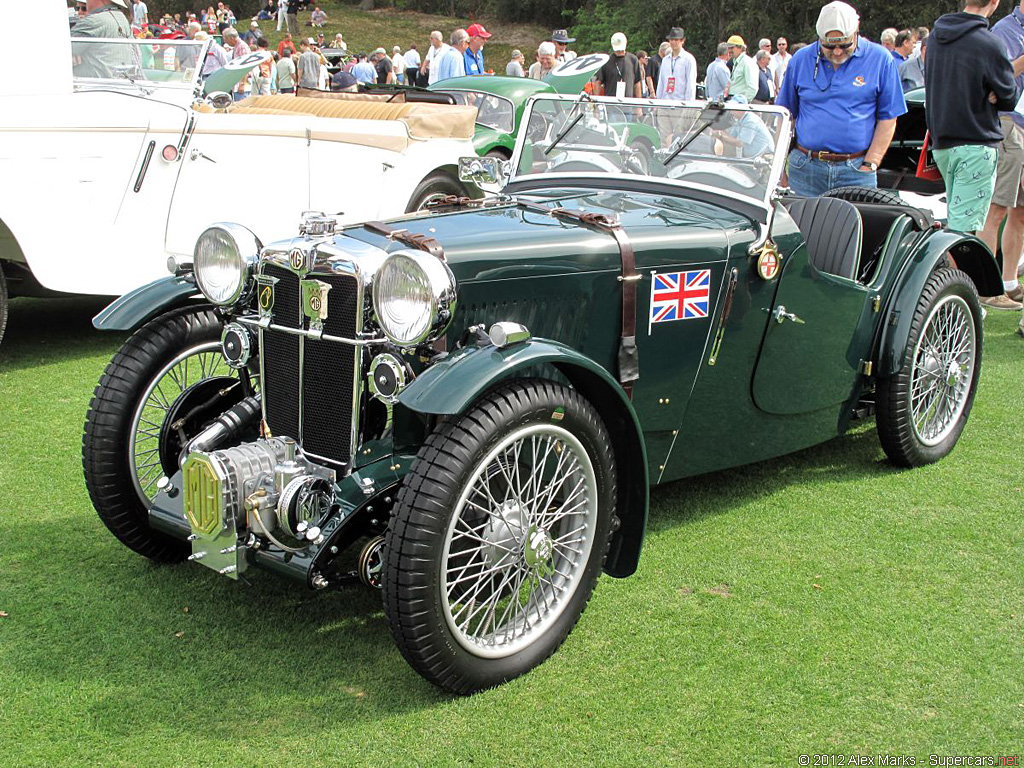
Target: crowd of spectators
x=840, y=73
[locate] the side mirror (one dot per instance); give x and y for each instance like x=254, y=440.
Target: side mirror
x=489, y=171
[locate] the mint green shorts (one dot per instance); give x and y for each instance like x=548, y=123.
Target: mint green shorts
x=970, y=175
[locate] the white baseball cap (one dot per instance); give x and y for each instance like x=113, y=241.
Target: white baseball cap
x=618, y=42
x=837, y=16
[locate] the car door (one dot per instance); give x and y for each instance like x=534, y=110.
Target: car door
x=252, y=169
x=811, y=354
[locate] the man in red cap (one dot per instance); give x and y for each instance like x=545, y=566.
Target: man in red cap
x=474, y=55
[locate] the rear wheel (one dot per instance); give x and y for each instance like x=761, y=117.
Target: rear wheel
x=498, y=535
x=166, y=384
x=923, y=409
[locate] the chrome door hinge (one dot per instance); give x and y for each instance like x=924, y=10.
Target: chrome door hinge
x=866, y=367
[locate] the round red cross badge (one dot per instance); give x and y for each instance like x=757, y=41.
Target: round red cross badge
x=768, y=264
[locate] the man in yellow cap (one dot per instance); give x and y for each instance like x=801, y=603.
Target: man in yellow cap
x=743, y=84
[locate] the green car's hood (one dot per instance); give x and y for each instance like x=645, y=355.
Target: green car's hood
x=510, y=242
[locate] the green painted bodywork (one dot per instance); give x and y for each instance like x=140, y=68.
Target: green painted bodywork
x=518, y=90
x=128, y=312
x=775, y=388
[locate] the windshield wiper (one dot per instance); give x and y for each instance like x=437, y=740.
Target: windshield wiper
x=562, y=133
x=698, y=132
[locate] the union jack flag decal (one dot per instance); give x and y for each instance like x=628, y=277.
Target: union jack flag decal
x=680, y=295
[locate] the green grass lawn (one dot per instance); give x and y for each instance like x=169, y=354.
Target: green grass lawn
x=820, y=603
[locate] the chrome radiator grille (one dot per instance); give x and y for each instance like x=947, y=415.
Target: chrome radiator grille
x=310, y=385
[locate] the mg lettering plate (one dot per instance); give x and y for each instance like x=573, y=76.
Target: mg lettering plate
x=202, y=495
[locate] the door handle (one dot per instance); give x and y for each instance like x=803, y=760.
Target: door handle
x=195, y=154
x=781, y=315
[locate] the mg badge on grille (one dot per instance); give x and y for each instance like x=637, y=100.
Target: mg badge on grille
x=297, y=260
x=314, y=301
x=265, y=293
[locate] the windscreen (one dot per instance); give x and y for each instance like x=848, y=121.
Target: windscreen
x=731, y=148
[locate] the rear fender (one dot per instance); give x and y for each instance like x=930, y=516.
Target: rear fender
x=971, y=256
x=451, y=385
x=136, y=307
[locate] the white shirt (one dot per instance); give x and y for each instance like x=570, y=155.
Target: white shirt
x=683, y=68
x=433, y=56
x=398, y=65
x=780, y=61
x=140, y=12
x=412, y=59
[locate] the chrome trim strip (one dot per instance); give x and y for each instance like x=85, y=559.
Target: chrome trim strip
x=249, y=321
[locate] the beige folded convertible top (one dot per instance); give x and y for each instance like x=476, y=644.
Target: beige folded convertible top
x=422, y=121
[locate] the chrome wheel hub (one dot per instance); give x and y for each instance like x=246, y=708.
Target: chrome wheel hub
x=539, y=550
x=953, y=374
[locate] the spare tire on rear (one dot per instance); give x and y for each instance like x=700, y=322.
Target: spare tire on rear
x=867, y=195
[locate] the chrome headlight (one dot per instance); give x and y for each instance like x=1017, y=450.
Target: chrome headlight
x=414, y=297
x=224, y=259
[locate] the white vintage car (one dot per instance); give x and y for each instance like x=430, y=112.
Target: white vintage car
x=133, y=166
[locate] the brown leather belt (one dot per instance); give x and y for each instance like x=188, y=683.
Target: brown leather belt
x=829, y=157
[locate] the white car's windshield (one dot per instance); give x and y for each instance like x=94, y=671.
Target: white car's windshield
x=732, y=148
x=166, y=62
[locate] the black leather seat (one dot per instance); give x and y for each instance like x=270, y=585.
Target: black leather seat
x=833, y=230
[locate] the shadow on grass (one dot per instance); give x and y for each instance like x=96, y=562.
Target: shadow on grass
x=44, y=331
x=304, y=660
x=848, y=458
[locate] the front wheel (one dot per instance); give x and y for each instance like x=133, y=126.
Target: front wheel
x=923, y=409
x=165, y=385
x=498, y=535
x=436, y=186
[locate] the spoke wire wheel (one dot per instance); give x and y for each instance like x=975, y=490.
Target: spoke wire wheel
x=498, y=535
x=944, y=360
x=922, y=409
x=201, y=363
x=519, y=540
x=125, y=430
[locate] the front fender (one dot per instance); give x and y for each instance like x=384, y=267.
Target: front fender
x=136, y=307
x=971, y=255
x=451, y=385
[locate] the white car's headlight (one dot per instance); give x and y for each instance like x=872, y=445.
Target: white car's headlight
x=224, y=259
x=414, y=297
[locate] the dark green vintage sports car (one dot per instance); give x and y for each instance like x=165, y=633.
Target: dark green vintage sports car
x=466, y=407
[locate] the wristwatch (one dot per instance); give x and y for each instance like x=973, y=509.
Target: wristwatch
x=872, y=166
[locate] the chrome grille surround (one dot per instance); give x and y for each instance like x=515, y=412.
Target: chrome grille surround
x=318, y=400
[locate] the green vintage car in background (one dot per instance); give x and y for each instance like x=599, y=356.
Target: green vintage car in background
x=500, y=102
x=467, y=407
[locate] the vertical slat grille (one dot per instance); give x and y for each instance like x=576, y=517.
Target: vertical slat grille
x=327, y=381
x=281, y=356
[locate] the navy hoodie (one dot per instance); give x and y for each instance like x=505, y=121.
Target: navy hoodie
x=965, y=62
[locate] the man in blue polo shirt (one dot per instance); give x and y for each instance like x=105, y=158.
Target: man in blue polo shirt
x=844, y=94
x=473, y=58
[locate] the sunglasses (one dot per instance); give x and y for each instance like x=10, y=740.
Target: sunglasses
x=840, y=46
